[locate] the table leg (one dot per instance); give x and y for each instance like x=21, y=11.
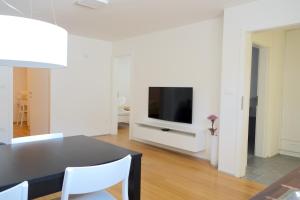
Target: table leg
x=134, y=190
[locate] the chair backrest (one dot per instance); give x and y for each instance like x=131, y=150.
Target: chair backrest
x=19, y=192
x=35, y=138
x=81, y=180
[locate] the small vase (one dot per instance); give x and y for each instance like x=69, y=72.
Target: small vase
x=214, y=146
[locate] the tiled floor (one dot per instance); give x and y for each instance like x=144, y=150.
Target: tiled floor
x=269, y=170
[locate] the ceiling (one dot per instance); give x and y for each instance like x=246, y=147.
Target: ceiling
x=121, y=18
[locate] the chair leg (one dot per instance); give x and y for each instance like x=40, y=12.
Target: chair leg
x=22, y=116
x=18, y=116
x=17, y=122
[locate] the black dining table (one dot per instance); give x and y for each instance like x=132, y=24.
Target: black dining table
x=43, y=163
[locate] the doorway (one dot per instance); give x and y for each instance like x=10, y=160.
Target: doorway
x=121, y=94
x=253, y=100
x=273, y=105
x=31, y=101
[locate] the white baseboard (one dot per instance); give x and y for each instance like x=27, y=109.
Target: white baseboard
x=290, y=147
x=289, y=153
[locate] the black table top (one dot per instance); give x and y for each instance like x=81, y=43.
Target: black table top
x=37, y=160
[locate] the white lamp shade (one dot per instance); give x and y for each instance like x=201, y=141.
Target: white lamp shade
x=32, y=43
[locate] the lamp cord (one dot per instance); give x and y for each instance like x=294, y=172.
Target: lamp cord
x=21, y=13
x=12, y=7
x=31, y=9
x=53, y=12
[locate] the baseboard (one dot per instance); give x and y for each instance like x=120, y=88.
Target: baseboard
x=290, y=153
x=290, y=147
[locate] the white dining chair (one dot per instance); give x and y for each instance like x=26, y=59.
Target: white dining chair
x=89, y=183
x=18, y=192
x=35, y=138
x=22, y=112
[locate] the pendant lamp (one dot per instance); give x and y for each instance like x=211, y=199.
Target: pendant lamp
x=26, y=42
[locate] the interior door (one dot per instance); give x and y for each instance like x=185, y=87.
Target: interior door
x=38, y=101
x=253, y=100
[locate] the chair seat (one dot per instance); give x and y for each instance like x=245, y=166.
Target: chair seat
x=101, y=195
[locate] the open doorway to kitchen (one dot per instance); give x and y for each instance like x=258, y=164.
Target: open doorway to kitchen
x=253, y=100
x=273, y=133
x=31, y=101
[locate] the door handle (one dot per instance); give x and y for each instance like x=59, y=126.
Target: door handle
x=256, y=101
x=242, y=103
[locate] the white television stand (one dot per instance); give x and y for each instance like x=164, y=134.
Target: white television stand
x=184, y=137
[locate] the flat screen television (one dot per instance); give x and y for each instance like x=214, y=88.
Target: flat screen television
x=171, y=104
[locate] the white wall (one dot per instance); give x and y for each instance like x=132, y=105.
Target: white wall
x=290, y=139
x=6, y=104
x=184, y=56
x=20, y=84
x=81, y=93
x=238, y=22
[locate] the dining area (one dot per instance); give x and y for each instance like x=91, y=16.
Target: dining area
x=79, y=167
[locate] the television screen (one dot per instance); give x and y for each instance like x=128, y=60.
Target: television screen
x=171, y=104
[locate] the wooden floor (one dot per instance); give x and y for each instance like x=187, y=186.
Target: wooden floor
x=21, y=131
x=171, y=176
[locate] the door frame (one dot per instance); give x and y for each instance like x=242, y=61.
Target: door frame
x=114, y=98
x=261, y=142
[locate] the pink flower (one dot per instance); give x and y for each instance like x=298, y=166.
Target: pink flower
x=212, y=117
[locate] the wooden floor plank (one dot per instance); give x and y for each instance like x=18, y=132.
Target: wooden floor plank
x=170, y=175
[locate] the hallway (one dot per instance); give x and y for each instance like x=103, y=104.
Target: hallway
x=269, y=170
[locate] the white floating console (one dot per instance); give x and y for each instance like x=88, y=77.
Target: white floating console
x=182, y=137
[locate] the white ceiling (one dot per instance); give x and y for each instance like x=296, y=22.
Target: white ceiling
x=121, y=18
